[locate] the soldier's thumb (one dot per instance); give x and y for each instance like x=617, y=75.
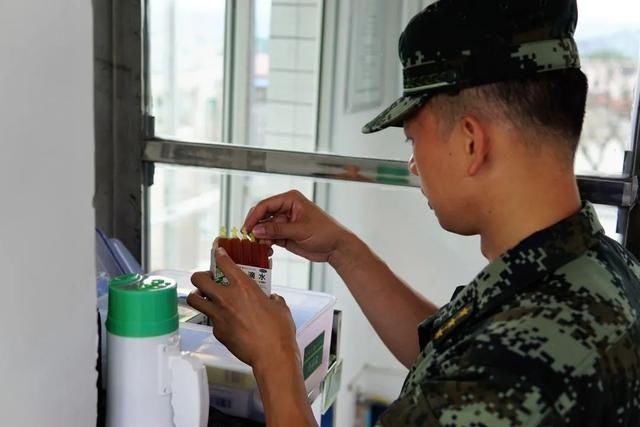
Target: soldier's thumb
x=273, y=230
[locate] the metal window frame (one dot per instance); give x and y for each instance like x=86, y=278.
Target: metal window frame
x=237, y=74
x=631, y=216
x=611, y=191
x=124, y=151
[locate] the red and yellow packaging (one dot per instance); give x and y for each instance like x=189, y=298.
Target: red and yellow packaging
x=251, y=256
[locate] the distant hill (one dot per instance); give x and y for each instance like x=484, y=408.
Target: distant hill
x=620, y=44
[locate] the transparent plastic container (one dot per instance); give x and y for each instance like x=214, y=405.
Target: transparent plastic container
x=232, y=387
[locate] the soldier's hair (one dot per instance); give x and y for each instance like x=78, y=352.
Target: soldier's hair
x=549, y=104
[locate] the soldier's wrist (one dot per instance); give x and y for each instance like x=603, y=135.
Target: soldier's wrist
x=350, y=252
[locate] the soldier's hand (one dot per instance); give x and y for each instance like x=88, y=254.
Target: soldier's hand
x=292, y=221
x=255, y=328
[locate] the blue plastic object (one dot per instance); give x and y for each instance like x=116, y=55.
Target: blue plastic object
x=112, y=260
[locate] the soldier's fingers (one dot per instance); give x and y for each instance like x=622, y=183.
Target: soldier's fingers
x=203, y=280
x=276, y=297
x=280, y=218
x=274, y=230
x=279, y=204
x=229, y=268
x=197, y=301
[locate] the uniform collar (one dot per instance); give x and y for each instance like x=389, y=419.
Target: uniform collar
x=527, y=263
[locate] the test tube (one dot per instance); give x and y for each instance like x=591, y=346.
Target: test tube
x=246, y=257
x=235, y=246
x=223, y=241
x=263, y=255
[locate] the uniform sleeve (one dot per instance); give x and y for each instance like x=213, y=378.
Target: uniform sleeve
x=484, y=397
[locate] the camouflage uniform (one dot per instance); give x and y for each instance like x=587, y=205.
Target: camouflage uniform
x=547, y=334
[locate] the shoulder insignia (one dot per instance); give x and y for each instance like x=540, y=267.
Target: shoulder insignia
x=452, y=322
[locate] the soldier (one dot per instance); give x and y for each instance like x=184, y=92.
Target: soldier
x=546, y=334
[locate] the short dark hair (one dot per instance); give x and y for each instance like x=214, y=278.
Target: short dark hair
x=552, y=102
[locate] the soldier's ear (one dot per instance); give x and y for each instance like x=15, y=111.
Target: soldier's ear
x=476, y=140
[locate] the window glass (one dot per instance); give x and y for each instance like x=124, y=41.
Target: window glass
x=187, y=40
x=608, y=37
x=283, y=92
x=608, y=216
x=186, y=67
x=184, y=217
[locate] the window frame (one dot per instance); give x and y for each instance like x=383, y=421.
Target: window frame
x=124, y=175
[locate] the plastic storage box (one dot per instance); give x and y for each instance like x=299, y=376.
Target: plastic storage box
x=232, y=387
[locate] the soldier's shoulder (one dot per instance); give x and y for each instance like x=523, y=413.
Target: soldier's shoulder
x=574, y=315
x=603, y=283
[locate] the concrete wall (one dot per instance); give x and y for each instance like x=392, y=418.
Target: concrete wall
x=47, y=309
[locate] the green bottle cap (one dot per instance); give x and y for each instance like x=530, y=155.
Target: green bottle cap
x=142, y=306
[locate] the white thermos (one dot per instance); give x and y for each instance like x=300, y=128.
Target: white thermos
x=150, y=382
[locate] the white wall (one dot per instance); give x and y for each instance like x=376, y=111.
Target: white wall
x=47, y=309
x=395, y=221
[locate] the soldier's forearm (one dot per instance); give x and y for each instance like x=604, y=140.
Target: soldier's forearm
x=393, y=308
x=283, y=392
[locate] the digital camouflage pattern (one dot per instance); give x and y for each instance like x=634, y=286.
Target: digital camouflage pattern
x=457, y=44
x=546, y=335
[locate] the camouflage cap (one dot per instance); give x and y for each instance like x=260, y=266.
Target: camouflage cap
x=457, y=44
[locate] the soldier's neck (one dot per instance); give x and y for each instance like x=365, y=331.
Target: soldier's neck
x=525, y=212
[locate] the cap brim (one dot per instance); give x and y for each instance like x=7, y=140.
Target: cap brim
x=395, y=114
